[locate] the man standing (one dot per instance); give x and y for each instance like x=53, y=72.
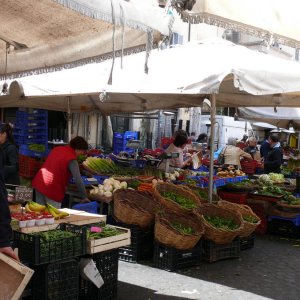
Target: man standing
x=274, y=157
x=264, y=148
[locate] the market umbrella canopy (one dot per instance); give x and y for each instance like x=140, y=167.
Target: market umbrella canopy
x=178, y=77
x=272, y=20
x=281, y=117
x=44, y=35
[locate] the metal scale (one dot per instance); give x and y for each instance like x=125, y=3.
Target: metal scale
x=167, y=157
x=134, y=144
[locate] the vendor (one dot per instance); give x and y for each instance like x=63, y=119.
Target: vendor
x=177, y=146
x=274, y=158
x=52, y=179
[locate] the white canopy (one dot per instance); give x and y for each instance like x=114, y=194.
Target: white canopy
x=178, y=77
x=269, y=19
x=281, y=117
x=44, y=35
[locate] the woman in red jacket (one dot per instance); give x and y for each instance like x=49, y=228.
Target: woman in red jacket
x=61, y=164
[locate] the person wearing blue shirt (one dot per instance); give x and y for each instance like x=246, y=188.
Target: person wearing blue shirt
x=265, y=148
x=274, y=158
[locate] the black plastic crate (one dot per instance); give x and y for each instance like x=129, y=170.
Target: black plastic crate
x=171, y=259
x=107, y=264
x=213, y=252
x=141, y=247
x=56, y=281
x=247, y=242
x=284, y=228
x=35, y=250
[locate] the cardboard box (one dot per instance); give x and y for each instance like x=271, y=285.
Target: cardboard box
x=108, y=243
x=14, y=277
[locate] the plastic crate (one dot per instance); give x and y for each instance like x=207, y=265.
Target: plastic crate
x=239, y=198
x=247, y=242
x=213, y=252
x=140, y=163
x=141, y=247
x=34, y=250
x=120, y=140
x=55, y=281
x=28, y=166
x=91, y=207
x=107, y=265
x=24, y=150
x=171, y=259
x=283, y=226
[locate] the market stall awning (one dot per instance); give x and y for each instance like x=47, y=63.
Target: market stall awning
x=178, y=77
x=45, y=35
x=272, y=20
x=281, y=117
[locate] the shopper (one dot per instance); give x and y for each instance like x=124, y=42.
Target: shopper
x=265, y=148
x=252, y=148
x=177, y=146
x=274, y=158
x=232, y=153
x=5, y=229
x=52, y=179
x=11, y=156
x=192, y=137
x=202, y=138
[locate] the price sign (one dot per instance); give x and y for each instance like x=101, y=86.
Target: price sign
x=23, y=193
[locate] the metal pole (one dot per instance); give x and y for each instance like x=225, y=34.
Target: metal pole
x=212, y=144
x=69, y=117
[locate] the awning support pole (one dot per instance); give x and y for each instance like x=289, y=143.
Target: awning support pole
x=69, y=118
x=212, y=144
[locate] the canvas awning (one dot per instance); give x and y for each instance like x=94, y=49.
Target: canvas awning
x=271, y=20
x=281, y=117
x=44, y=35
x=178, y=77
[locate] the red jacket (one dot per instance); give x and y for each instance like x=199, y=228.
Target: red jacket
x=52, y=179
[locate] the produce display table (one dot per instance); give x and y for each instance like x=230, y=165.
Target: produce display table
x=75, y=217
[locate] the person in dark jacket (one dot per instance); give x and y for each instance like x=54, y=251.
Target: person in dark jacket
x=265, y=148
x=5, y=228
x=273, y=161
x=11, y=155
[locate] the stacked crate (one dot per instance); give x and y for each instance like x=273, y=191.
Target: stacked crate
x=120, y=141
x=31, y=134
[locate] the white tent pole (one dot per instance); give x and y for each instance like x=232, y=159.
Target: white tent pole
x=69, y=118
x=212, y=144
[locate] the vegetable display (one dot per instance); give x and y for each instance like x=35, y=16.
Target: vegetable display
x=250, y=219
x=186, y=230
x=102, y=232
x=179, y=199
x=221, y=223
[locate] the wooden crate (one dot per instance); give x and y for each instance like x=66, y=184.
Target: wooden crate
x=76, y=217
x=14, y=277
x=104, y=244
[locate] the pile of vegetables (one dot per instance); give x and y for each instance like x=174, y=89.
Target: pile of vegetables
x=102, y=232
x=185, y=230
x=109, y=186
x=179, y=199
x=221, y=223
x=250, y=219
x=290, y=200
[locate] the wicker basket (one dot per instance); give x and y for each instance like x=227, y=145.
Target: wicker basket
x=165, y=234
x=172, y=205
x=218, y=235
x=135, y=207
x=244, y=210
x=97, y=197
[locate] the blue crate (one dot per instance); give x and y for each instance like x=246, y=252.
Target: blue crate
x=120, y=141
x=91, y=207
x=24, y=150
x=295, y=221
x=100, y=178
x=139, y=163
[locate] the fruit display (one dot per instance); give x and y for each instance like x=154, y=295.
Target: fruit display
x=33, y=207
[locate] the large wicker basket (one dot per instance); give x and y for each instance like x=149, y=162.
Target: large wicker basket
x=172, y=205
x=219, y=235
x=245, y=211
x=167, y=235
x=135, y=207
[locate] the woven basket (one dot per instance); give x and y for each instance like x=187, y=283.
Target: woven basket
x=100, y=198
x=135, y=207
x=165, y=234
x=244, y=210
x=218, y=235
x=172, y=205
x=277, y=211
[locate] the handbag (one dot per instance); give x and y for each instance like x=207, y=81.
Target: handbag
x=221, y=157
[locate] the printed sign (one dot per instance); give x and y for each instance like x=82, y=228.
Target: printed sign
x=23, y=193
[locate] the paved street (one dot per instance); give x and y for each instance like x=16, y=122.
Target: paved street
x=270, y=270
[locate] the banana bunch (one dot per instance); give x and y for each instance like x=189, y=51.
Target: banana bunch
x=100, y=165
x=56, y=213
x=32, y=206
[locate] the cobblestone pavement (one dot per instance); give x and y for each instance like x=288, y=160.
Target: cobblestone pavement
x=270, y=270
